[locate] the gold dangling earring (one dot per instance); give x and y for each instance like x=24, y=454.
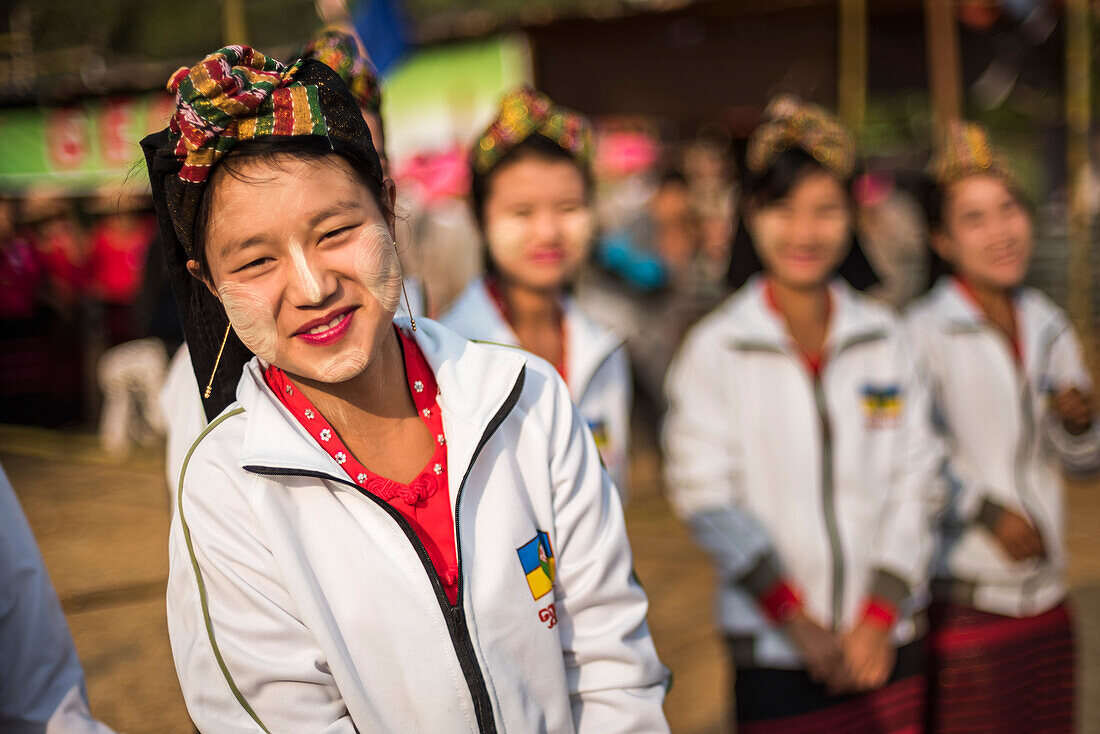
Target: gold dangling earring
x=217, y=360
x=405, y=293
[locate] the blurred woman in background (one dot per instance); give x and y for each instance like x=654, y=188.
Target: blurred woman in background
x=531, y=191
x=1014, y=400
x=798, y=450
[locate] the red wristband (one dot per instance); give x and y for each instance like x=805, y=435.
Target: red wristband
x=781, y=602
x=880, y=613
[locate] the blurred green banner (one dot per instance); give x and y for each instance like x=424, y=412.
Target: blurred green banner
x=77, y=147
x=441, y=96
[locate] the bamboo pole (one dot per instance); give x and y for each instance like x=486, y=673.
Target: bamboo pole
x=233, y=22
x=1078, y=119
x=944, y=71
x=852, y=73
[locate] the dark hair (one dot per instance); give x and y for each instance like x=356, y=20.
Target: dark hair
x=933, y=198
x=671, y=176
x=762, y=189
x=272, y=151
x=536, y=146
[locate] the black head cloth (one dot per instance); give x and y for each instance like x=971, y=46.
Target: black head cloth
x=233, y=95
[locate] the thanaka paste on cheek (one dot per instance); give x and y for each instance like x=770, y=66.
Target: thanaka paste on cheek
x=378, y=268
x=507, y=237
x=310, y=287
x=252, y=319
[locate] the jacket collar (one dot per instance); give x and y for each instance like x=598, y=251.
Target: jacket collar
x=588, y=343
x=1038, y=320
x=753, y=324
x=474, y=380
x=948, y=300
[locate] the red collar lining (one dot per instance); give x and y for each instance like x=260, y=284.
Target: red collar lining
x=422, y=388
x=814, y=361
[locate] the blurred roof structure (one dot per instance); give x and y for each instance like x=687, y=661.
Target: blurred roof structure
x=55, y=51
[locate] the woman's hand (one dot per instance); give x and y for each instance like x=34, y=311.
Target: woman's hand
x=821, y=651
x=1018, y=536
x=1076, y=410
x=869, y=657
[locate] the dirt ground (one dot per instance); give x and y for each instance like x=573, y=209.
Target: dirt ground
x=102, y=527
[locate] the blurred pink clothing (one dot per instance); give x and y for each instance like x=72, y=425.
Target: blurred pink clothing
x=20, y=275
x=62, y=256
x=118, y=258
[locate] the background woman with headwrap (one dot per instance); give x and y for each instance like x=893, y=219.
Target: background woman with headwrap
x=531, y=191
x=1015, y=405
x=798, y=450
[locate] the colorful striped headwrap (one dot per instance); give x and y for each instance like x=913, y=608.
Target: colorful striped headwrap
x=966, y=151
x=236, y=94
x=339, y=51
x=790, y=122
x=525, y=112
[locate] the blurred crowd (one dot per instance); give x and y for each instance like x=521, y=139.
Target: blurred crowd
x=81, y=275
x=74, y=283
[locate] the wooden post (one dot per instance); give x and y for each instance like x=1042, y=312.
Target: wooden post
x=234, y=23
x=1078, y=120
x=852, y=73
x=942, y=42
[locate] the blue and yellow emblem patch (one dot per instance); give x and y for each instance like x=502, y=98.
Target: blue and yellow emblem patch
x=537, y=558
x=599, y=433
x=882, y=406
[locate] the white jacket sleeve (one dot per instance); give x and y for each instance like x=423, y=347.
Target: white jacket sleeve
x=244, y=661
x=902, y=547
x=41, y=681
x=703, y=470
x=1079, y=453
x=616, y=682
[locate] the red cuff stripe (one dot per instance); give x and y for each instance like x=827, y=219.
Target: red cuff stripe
x=880, y=613
x=781, y=602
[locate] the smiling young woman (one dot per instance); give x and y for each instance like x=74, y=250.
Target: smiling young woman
x=1016, y=405
x=181, y=399
x=531, y=192
x=798, y=449
x=386, y=528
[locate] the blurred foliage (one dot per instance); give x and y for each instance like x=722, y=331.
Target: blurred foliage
x=159, y=29
x=168, y=29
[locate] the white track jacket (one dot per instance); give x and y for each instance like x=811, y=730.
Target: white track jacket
x=597, y=368
x=829, y=483
x=298, y=603
x=1006, y=446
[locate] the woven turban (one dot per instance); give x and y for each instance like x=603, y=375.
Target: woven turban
x=789, y=123
x=339, y=51
x=233, y=95
x=966, y=151
x=525, y=112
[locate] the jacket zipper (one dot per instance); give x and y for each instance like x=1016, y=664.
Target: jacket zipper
x=828, y=501
x=828, y=494
x=453, y=614
x=828, y=483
